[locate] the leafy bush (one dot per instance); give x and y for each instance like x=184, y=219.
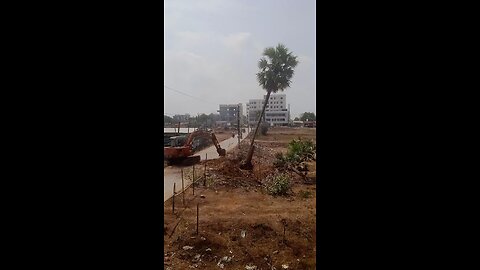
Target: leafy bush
x=300, y=150
x=278, y=184
x=305, y=194
x=280, y=160
x=264, y=128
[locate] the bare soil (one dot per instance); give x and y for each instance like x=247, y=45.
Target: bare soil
x=234, y=202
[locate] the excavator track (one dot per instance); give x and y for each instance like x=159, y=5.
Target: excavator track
x=186, y=161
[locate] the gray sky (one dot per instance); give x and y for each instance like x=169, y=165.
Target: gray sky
x=212, y=48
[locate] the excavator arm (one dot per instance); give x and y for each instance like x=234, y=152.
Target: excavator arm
x=201, y=133
x=221, y=152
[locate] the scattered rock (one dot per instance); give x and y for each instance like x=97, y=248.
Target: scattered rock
x=275, y=252
x=243, y=233
x=208, y=249
x=202, y=196
x=187, y=247
x=285, y=266
x=203, y=238
x=250, y=267
x=196, y=258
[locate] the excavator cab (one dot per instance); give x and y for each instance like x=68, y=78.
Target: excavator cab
x=176, y=141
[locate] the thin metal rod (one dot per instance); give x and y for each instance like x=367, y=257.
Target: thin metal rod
x=183, y=189
x=173, y=200
x=197, y=218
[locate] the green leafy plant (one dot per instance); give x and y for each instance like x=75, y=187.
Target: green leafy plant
x=264, y=129
x=305, y=194
x=280, y=160
x=278, y=184
x=300, y=150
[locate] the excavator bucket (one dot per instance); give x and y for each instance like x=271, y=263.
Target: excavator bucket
x=221, y=152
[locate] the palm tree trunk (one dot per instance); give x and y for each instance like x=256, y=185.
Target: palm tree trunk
x=248, y=162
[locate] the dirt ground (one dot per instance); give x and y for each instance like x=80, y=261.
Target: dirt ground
x=240, y=225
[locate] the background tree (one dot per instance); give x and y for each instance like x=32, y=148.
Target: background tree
x=202, y=121
x=167, y=120
x=276, y=71
x=308, y=116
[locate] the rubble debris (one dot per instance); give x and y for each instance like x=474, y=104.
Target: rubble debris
x=243, y=233
x=285, y=266
x=187, y=247
x=250, y=267
x=196, y=258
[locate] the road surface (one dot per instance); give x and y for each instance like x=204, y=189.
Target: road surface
x=172, y=174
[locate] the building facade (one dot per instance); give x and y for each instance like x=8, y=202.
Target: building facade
x=276, y=112
x=230, y=112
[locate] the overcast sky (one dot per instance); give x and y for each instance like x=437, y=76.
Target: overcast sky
x=212, y=48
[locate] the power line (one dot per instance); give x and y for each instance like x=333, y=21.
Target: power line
x=185, y=94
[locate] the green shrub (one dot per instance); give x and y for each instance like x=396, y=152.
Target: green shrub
x=305, y=194
x=280, y=160
x=278, y=185
x=264, y=128
x=300, y=150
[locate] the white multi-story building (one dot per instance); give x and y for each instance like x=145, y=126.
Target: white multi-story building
x=276, y=112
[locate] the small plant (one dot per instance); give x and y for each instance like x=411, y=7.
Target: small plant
x=264, y=129
x=300, y=150
x=278, y=184
x=305, y=194
x=280, y=160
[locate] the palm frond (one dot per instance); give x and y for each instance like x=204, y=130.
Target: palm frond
x=276, y=68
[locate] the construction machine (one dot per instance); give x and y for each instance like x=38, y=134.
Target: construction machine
x=182, y=148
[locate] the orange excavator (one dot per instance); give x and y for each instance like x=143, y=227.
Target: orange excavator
x=182, y=152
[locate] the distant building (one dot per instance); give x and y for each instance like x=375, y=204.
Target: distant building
x=276, y=112
x=229, y=112
x=181, y=118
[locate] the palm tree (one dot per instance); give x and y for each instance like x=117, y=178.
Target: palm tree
x=276, y=71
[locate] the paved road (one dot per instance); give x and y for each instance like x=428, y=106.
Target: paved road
x=172, y=174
